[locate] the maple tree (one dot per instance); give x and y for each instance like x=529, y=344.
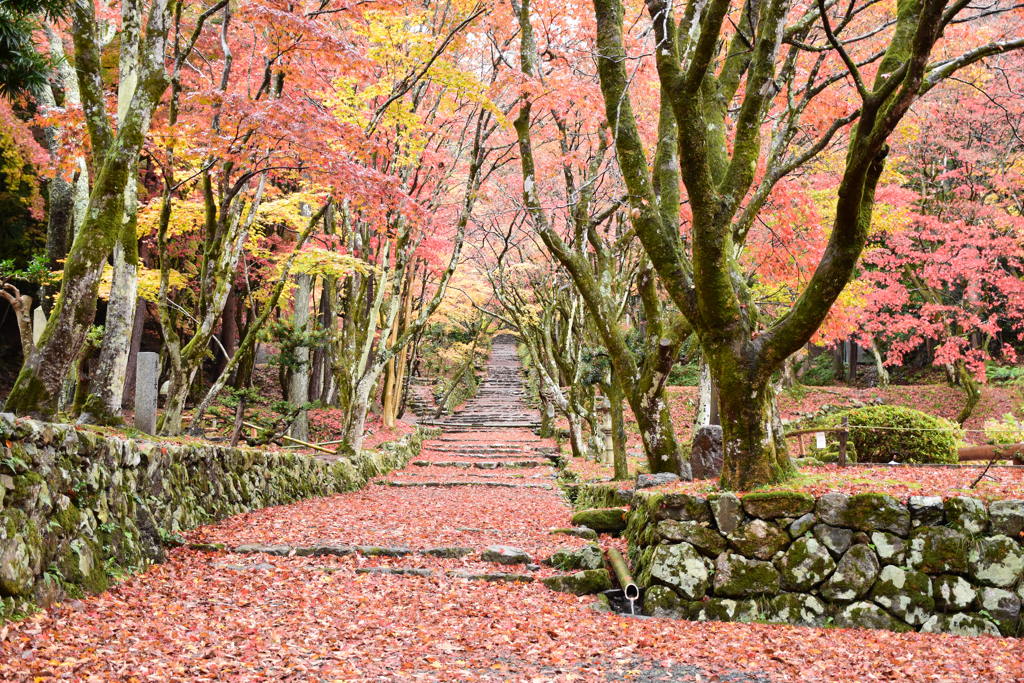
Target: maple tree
x=640, y=379
x=115, y=155
x=950, y=273
x=321, y=171
x=701, y=66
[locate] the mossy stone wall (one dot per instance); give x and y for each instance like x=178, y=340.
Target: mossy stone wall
x=857, y=561
x=78, y=507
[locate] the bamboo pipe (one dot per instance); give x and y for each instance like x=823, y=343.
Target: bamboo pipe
x=622, y=575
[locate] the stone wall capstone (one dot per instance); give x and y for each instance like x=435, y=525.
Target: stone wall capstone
x=855, y=561
x=77, y=506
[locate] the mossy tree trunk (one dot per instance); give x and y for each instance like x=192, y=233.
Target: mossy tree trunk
x=726, y=191
x=618, y=435
x=103, y=404
x=641, y=379
x=38, y=386
x=972, y=391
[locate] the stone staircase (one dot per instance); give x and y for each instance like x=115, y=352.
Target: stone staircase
x=420, y=401
x=489, y=442
x=501, y=401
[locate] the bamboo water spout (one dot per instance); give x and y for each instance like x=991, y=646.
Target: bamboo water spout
x=629, y=588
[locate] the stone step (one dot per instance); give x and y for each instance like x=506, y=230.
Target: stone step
x=482, y=465
x=455, y=484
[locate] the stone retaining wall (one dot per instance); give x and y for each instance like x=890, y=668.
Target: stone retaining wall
x=865, y=561
x=78, y=507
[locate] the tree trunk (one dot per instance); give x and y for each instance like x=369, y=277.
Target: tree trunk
x=547, y=415
x=838, y=366
x=180, y=384
x=103, y=405
x=356, y=426
x=138, y=327
x=576, y=441
x=753, y=452
x=618, y=435
x=972, y=392
x=883, y=374
x=852, y=359
x=654, y=420
x=228, y=332
x=38, y=386
x=298, y=387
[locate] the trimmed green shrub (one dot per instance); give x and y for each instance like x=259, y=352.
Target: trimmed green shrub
x=899, y=434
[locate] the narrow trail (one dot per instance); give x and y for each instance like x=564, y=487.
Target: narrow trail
x=391, y=583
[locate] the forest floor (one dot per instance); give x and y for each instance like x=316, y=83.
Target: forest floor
x=945, y=401
x=222, y=616
x=409, y=595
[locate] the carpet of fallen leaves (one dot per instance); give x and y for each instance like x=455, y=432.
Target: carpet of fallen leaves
x=196, y=618
x=419, y=518
x=229, y=617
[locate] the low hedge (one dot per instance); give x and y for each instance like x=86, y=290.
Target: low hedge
x=883, y=434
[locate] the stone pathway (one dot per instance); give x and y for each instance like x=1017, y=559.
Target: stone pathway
x=430, y=573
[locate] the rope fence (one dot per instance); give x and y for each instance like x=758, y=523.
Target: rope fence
x=978, y=453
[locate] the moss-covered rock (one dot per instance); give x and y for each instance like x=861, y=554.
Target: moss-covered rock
x=578, y=532
x=708, y=541
x=773, y=505
x=836, y=539
x=587, y=557
x=801, y=525
x=997, y=561
x=939, y=550
x=966, y=513
x=855, y=573
x=662, y=601
x=758, y=539
x=727, y=511
x=680, y=567
x=905, y=593
x=926, y=510
x=868, y=615
x=602, y=520
x=16, y=573
x=580, y=583
x=683, y=507
x=1007, y=517
x=726, y=609
x=864, y=512
x=891, y=548
x=805, y=565
x=739, y=577
x=797, y=608
x=960, y=624
x=1003, y=607
x=953, y=593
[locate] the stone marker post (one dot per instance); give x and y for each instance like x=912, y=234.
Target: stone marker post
x=147, y=374
x=604, y=416
x=38, y=324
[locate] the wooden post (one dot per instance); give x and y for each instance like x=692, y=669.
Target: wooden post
x=843, y=433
